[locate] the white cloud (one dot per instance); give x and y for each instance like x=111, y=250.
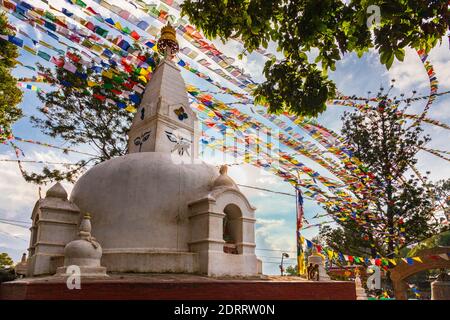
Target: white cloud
x=17, y=199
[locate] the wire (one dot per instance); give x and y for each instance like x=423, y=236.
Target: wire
x=10, y=220
x=272, y=191
x=13, y=224
x=266, y=249
x=11, y=235
x=36, y=161
x=267, y=190
x=284, y=264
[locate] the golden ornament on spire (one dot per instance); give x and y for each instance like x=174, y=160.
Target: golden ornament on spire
x=167, y=43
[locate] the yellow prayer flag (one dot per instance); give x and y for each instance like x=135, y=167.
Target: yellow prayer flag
x=143, y=72
x=143, y=79
x=330, y=254
x=301, y=264
x=91, y=83
x=393, y=262
x=97, y=48
x=417, y=259
x=107, y=74
x=45, y=44
x=30, y=50
x=190, y=88
x=302, y=240
x=131, y=109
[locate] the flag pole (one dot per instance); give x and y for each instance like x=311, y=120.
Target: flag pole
x=299, y=211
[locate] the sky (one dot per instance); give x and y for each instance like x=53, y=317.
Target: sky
x=275, y=226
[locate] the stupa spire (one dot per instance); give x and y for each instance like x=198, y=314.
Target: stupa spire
x=164, y=121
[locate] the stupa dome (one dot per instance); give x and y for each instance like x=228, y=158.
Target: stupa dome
x=139, y=201
x=82, y=249
x=85, y=251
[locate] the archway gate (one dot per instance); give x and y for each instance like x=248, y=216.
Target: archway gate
x=432, y=259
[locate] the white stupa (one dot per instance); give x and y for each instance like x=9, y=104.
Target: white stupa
x=158, y=208
x=85, y=253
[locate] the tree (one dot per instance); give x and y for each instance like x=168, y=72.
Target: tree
x=439, y=240
x=331, y=28
x=7, y=273
x=401, y=210
x=82, y=113
x=443, y=197
x=291, y=271
x=10, y=94
x=5, y=260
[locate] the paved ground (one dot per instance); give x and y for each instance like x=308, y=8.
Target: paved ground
x=155, y=277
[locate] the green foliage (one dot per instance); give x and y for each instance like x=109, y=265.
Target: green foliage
x=439, y=240
x=73, y=114
x=300, y=89
x=402, y=210
x=442, y=194
x=5, y=260
x=10, y=94
x=291, y=271
x=331, y=28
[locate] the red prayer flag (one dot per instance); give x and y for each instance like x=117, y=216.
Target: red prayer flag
x=73, y=57
x=91, y=10
x=90, y=26
x=99, y=97
x=135, y=35
x=128, y=85
x=58, y=62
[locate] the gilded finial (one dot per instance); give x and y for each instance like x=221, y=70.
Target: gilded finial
x=167, y=43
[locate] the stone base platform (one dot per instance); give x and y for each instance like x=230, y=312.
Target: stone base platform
x=177, y=287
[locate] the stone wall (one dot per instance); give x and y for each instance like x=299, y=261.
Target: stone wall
x=195, y=290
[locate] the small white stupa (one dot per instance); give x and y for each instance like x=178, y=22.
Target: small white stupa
x=84, y=253
x=318, y=259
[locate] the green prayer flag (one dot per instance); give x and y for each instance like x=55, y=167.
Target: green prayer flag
x=44, y=55
x=86, y=43
x=101, y=32
x=50, y=16
x=118, y=79
x=80, y=3
x=126, y=30
x=154, y=12
x=107, y=85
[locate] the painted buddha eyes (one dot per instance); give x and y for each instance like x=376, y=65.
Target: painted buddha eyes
x=181, y=114
x=142, y=113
